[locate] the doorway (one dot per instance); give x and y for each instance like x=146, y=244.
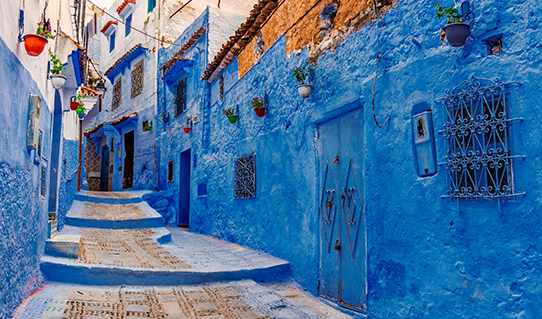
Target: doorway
x=343, y=251
x=104, y=169
x=128, y=177
x=184, y=189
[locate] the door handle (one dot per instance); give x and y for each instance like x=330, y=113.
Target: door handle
x=337, y=245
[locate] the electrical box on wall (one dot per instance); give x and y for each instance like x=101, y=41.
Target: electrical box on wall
x=424, y=143
x=32, y=134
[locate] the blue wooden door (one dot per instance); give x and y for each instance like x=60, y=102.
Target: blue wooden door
x=343, y=251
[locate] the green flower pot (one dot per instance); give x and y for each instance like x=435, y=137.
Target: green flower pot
x=79, y=110
x=232, y=119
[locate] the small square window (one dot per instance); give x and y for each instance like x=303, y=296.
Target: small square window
x=128, y=23
x=180, y=97
x=170, y=171
x=137, y=79
x=117, y=93
x=111, y=41
x=245, y=177
x=146, y=126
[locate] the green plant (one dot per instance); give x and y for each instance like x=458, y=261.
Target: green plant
x=229, y=112
x=81, y=109
x=148, y=128
x=56, y=65
x=44, y=30
x=79, y=96
x=258, y=102
x=451, y=13
x=301, y=73
x=188, y=120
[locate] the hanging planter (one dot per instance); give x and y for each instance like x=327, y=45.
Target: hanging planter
x=304, y=90
x=57, y=79
x=81, y=115
x=165, y=117
x=301, y=74
x=230, y=114
x=75, y=101
x=258, y=105
x=35, y=43
x=456, y=31
x=73, y=104
x=187, y=128
x=81, y=111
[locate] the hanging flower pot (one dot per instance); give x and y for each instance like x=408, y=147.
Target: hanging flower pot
x=232, y=119
x=81, y=115
x=457, y=33
x=304, y=90
x=79, y=110
x=260, y=111
x=73, y=104
x=34, y=44
x=186, y=129
x=58, y=81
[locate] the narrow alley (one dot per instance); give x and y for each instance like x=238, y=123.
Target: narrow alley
x=115, y=258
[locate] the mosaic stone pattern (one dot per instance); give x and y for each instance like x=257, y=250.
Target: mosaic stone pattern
x=111, y=211
x=126, y=248
x=206, y=303
x=92, y=164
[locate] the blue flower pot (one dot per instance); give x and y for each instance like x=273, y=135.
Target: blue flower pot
x=457, y=33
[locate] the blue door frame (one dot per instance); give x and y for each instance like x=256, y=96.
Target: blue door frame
x=343, y=251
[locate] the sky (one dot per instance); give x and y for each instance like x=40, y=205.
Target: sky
x=103, y=3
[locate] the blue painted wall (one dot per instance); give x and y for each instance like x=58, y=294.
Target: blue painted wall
x=68, y=179
x=23, y=212
x=428, y=257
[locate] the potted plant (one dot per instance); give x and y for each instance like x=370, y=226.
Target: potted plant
x=230, y=114
x=165, y=117
x=148, y=127
x=35, y=43
x=258, y=105
x=301, y=74
x=187, y=127
x=456, y=31
x=57, y=78
x=81, y=110
x=75, y=101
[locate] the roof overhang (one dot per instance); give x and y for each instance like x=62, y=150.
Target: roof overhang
x=124, y=62
x=178, y=71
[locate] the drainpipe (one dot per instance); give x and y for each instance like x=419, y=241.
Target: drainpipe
x=80, y=155
x=158, y=46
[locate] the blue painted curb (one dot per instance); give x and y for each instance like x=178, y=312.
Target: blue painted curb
x=151, y=222
x=107, y=200
x=56, y=271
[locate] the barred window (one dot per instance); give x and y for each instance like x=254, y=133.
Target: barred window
x=43, y=181
x=180, y=97
x=478, y=158
x=245, y=177
x=137, y=78
x=170, y=171
x=117, y=93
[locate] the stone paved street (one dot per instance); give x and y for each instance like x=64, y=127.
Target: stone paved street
x=224, y=300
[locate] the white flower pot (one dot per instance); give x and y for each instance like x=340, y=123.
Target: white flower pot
x=58, y=81
x=304, y=90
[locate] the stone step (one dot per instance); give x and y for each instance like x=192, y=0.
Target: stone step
x=113, y=216
x=136, y=257
x=62, y=245
x=115, y=198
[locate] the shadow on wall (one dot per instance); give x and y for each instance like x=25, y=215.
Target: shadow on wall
x=163, y=203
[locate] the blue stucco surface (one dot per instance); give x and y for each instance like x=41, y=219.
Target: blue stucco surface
x=23, y=212
x=428, y=257
x=68, y=179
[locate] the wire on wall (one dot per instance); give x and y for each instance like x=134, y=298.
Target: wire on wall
x=129, y=26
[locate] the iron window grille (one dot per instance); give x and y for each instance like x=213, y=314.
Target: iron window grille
x=180, y=97
x=43, y=181
x=117, y=93
x=477, y=131
x=137, y=78
x=245, y=177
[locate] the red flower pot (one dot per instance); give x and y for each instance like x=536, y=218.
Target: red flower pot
x=86, y=134
x=260, y=111
x=34, y=44
x=186, y=130
x=74, y=105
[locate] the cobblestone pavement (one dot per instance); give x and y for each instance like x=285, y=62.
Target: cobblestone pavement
x=112, y=212
x=230, y=300
x=126, y=248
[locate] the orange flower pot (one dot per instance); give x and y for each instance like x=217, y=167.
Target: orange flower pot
x=34, y=44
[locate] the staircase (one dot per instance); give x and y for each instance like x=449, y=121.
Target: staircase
x=118, y=239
